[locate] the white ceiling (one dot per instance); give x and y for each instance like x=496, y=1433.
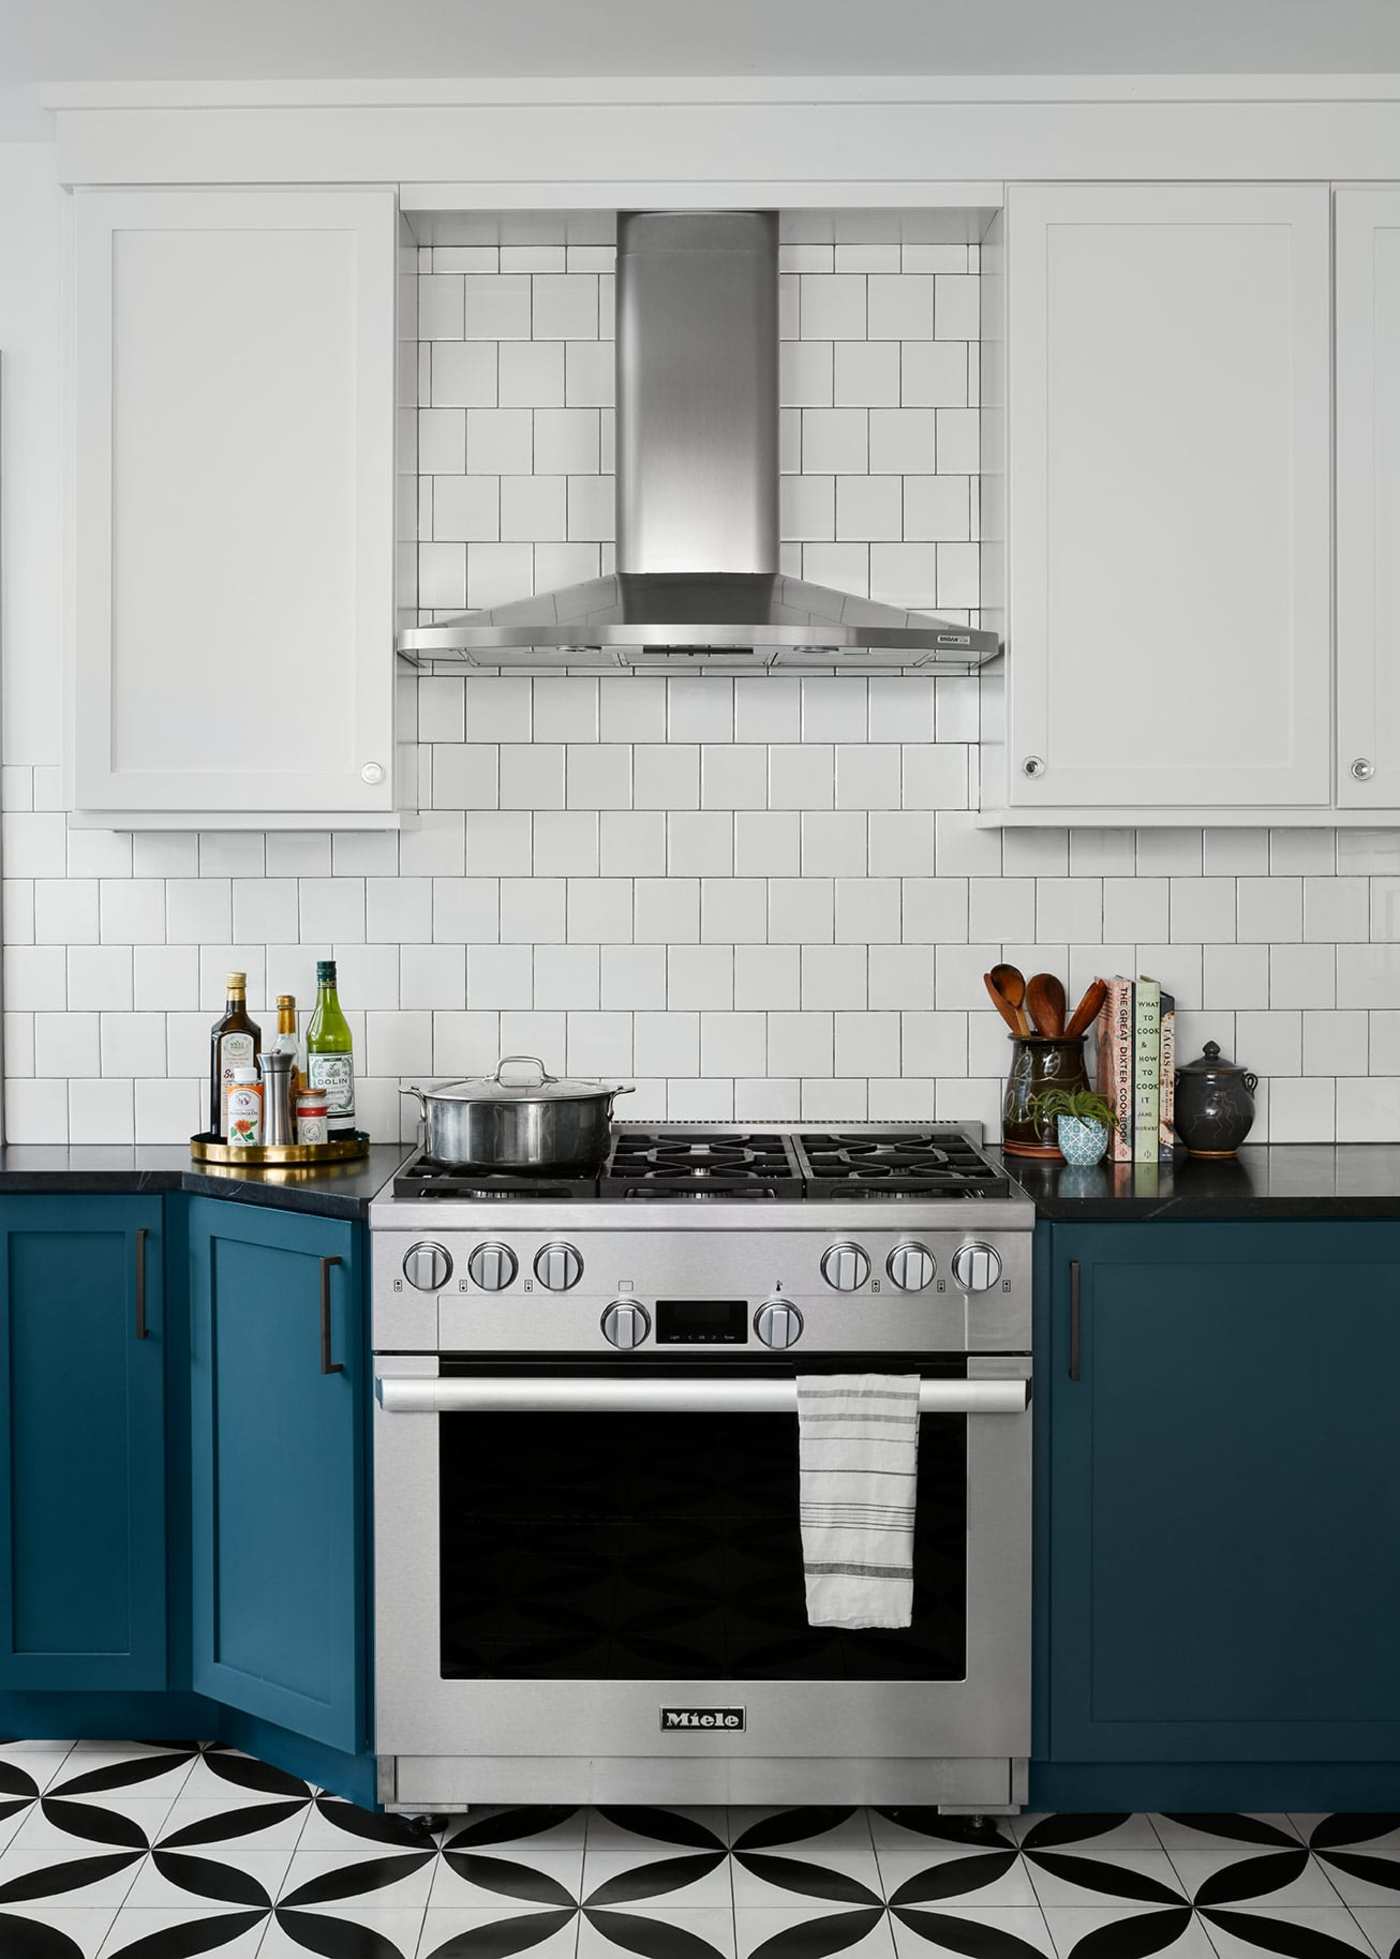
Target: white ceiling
x=214, y=40
x=373, y=40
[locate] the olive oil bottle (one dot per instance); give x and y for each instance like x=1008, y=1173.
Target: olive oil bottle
x=330, y=1062
x=235, y=1042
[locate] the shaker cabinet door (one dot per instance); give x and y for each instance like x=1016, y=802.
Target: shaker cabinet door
x=1168, y=469
x=83, y=1345
x=1368, y=498
x=278, y=1422
x=1219, y=1509
x=231, y=626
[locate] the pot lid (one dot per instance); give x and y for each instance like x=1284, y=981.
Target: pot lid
x=539, y=1087
x=1211, y=1062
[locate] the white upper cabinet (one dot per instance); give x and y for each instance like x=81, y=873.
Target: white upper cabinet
x=231, y=575
x=1368, y=499
x=1168, y=539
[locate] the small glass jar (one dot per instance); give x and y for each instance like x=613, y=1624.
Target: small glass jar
x=312, y=1118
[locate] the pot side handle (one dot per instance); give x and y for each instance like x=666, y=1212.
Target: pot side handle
x=412, y=1088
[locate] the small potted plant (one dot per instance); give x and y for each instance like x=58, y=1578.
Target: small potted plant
x=1082, y=1120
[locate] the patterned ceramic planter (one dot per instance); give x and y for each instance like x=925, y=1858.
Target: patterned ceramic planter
x=1081, y=1142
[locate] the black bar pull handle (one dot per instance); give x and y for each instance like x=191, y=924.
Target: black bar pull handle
x=328, y=1366
x=1076, y=1322
x=142, y=1330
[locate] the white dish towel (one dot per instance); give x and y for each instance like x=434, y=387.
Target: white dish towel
x=858, y=1463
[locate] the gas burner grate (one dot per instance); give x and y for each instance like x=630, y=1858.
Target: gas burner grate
x=692, y=1164
x=900, y=1163
x=423, y=1176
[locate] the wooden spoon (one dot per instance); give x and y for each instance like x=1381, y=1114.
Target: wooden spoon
x=1011, y=1015
x=1088, y=1010
x=1045, y=1001
x=1009, y=982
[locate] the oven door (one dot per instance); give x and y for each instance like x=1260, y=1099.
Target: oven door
x=592, y=1563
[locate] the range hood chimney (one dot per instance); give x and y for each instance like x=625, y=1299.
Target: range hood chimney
x=697, y=580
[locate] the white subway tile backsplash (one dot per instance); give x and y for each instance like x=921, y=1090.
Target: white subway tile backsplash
x=566, y=843
x=865, y=375
x=901, y=441
x=99, y=976
x=700, y=843
x=759, y=897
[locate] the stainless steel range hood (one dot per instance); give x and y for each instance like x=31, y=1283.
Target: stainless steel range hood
x=697, y=581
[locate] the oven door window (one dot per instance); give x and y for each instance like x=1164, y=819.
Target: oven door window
x=584, y=1546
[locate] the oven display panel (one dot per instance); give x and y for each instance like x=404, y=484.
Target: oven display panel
x=702, y=1322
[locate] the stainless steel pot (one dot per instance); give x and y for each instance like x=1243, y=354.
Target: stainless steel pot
x=488, y=1123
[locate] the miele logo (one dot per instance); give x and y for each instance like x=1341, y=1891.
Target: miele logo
x=731, y=1718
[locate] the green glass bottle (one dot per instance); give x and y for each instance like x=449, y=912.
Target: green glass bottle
x=330, y=1062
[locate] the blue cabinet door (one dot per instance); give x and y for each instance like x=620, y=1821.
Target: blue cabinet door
x=1219, y=1510
x=82, y=1443
x=277, y=1426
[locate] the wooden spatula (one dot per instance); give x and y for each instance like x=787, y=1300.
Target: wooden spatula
x=1045, y=1001
x=1008, y=983
x=1088, y=1010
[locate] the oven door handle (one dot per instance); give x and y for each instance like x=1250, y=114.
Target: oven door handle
x=582, y=1395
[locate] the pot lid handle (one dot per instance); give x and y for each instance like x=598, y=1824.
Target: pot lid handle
x=530, y=1061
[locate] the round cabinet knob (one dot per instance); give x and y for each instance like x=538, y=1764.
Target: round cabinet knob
x=626, y=1323
x=558, y=1267
x=778, y=1323
x=492, y=1267
x=976, y=1267
x=1033, y=766
x=372, y=773
x=911, y=1267
x=427, y=1267
x=1363, y=769
x=845, y=1267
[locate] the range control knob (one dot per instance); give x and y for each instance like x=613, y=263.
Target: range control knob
x=492, y=1267
x=976, y=1267
x=911, y=1267
x=626, y=1323
x=558, y=1267
x=845, y=1267
x=778, y=1323
x=427, y=1267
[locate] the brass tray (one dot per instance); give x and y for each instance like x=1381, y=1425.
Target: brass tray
x=205, y=1148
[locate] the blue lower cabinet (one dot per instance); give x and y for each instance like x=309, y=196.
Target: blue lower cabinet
x=278, y=1420
x=82, y=1444
x=1219, y=1498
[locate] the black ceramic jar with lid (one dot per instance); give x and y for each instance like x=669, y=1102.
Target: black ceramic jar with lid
x=1214, y=1104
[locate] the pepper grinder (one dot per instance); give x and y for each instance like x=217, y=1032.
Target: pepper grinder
x=279, y=1117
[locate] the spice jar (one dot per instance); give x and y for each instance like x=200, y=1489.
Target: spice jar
x=312, y=1124
x=245, y=1109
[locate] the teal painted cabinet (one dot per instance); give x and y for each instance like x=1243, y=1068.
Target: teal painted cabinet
x=1218, y=1489
x=277, y=1424
x=83, y=1357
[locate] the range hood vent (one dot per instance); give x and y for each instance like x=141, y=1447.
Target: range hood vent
x=697, y=492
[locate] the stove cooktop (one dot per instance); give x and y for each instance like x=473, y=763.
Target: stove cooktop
x=693, y=1163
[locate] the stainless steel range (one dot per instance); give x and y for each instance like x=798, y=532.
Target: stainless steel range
x=588, y=1560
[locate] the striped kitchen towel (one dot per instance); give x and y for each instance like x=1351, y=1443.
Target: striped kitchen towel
x=858, y=1459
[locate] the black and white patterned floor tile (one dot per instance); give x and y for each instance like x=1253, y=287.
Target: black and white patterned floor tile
x=165, y=1851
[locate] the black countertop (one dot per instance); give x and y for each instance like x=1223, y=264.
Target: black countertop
x=1266, y=1180
x=340, y=1190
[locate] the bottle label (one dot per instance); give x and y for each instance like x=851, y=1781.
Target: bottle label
x=245, y=1104
x=335, y=1073
x=235, y=1051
